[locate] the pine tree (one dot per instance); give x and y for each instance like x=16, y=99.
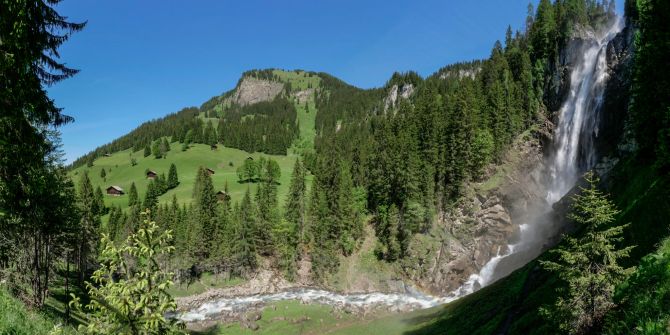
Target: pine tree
x=393, y=250
x=88, y=227
x=99, y=204
x=205, y=210
x=35, y=199
x=268, y=217
x=163, y=147
x=285, y=235
x=147, y=151
x=167, y=144
x=296, y=202
x=156, y=149
x=151, y=197
x=173, y=179
x=222, y=244
x=588, y=264
x=133, y=198
x=544, y=30
x=103, y=174
x=161, y=184
x=245, y=246
x=210, y=134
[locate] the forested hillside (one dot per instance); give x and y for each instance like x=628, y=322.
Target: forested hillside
x=299, y=174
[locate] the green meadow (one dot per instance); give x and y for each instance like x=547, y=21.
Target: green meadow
x=224, y=161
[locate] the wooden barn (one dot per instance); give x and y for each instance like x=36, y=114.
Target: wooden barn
x=115, y=191
x=151, y=174
x=209, y=171
x=222, y=195
x=213, y=147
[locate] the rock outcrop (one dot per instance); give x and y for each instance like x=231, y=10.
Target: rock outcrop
x=252, y=90
x=482, y=226
x=395, y=92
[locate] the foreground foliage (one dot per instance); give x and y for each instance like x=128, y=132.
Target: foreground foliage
x=588, y=264
x=37, y=217
x=129, y=290
x=644, y=298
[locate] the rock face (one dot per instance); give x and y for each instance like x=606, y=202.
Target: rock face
x=252, y=90
x=481, y=226
x=404, y=91
x=304, y=95
x=461, y=73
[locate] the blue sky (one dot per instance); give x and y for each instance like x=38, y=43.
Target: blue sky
x=140, y=60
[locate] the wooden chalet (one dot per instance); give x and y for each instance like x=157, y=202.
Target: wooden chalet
x=151, y=174
x=115, y=191
x=213, y=146
x=209, y=171
x=222, y=196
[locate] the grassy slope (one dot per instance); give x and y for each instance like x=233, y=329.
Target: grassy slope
x=123, y=174
x=187, y=162
x=306, y=117
x=17, y=320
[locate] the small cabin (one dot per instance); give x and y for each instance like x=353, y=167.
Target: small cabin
x=107, y=155
x=250, y=158
x=151, y=174
x=209, y=171
x=222, y=196
x=213, y=147
x=115, y=191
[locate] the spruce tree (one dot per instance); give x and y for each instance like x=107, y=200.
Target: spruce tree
x=245, y=245
x=205, y=210
x=99, y=204
x=88, y=226
x=103, y=174
x=393, y=247
x=147, y=151
x=285, y=235
x=173, y=179
x=156, y=149
x=151, y=197
x=133, y=198
x=166, y=142
x=296, y=206
x=588, y=264
x=163, y=148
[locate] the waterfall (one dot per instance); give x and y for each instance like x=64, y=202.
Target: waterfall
x=574, y=150
x=573, y=153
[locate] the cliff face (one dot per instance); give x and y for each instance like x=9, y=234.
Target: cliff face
x=487, y=220
x=483, y=224
x=252, y=90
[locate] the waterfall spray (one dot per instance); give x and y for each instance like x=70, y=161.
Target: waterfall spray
x=573, y=152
